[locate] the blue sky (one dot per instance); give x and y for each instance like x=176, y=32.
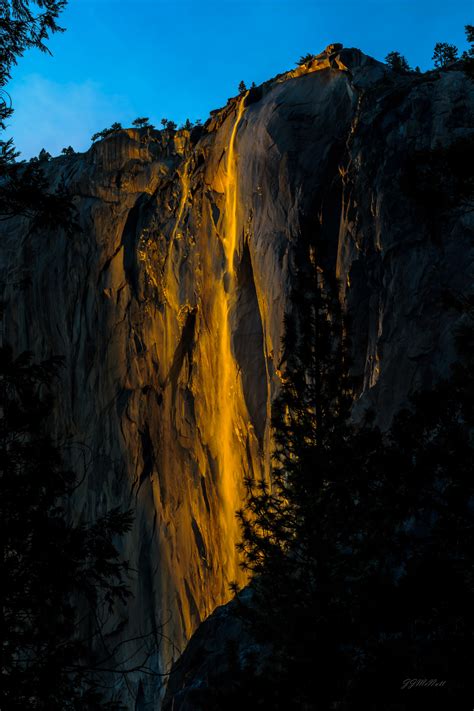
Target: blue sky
x=182, y=58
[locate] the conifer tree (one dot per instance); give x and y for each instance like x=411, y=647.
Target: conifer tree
x=444, y=53
x=142, y=122
x=289, y=541
x=397, y=62
x=305, y=58
x=23, y=188
x=359, y=548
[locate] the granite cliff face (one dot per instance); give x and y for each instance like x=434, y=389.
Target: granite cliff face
x=168, y=304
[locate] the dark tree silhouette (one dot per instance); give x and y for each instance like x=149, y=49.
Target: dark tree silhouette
x=359, y=547
x=44, y=156
x=444, y=53
x=469, y=29
x=23, y=25
x=305, y=58
x=397, y=62
x=242, y=88
x=468, y=55
x=24, y=189
x=114, y=128
x=143, y=122
x=60, y=579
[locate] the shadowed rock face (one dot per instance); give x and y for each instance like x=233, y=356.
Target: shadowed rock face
x=168, y=305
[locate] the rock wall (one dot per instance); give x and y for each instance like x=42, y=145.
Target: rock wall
x=168, y=304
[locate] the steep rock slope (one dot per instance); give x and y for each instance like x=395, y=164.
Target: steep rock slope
x=168, y=304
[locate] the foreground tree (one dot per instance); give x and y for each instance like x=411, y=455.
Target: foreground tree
x=24, y=189
x=24, y=25
x=360, y=548
x=60, y=580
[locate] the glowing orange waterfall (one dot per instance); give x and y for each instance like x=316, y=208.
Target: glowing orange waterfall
x=231, y=194
x=231, y=425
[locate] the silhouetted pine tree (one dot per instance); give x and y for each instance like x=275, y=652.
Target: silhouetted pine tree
x=360, y=548
x=397, y=62
x=289, y=543
x=305, y=58
x=444, y=53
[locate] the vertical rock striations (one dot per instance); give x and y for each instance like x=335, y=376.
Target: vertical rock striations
x=168, y=304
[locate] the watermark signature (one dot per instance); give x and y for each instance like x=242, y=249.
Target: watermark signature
x=427, y=683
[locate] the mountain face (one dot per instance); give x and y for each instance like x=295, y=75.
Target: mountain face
x=168, y=303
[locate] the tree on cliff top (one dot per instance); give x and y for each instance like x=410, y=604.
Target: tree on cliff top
x=114, y=128
x=168, y=125
x=305, y=58
x=444, y=53
x=142, y=122
x=397, y=62
x=468, y=55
